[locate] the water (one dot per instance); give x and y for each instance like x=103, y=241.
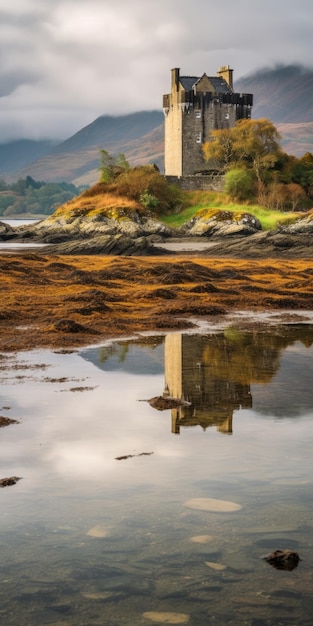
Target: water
x=87, y=539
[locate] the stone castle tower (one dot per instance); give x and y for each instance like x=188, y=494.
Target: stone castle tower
x=195, y=107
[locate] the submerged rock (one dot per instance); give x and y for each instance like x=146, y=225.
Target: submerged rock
x=211, y=504
x=283, y=559
x=98, y=531
x=6, y=421
x=201, y=538
x=162, y=403
x=219, y=567
x=7, y=482
x=166, y=618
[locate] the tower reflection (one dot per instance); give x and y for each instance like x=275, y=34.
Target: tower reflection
x=213, y=373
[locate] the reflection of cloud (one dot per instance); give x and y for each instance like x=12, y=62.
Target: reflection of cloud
x=73, y=438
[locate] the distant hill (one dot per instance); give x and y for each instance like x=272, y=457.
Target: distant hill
x=283, y=94
x=17, y=154
x=139, y=136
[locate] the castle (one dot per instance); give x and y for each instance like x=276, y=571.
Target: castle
x=195, y=107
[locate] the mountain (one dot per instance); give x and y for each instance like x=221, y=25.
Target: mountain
x=283, y=94
x=138, y=135
x=17, y=154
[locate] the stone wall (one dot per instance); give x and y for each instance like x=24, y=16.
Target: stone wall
x=201, y=183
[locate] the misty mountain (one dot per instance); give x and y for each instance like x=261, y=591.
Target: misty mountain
x=283, y=94
x=16, y=154
x=108, y=129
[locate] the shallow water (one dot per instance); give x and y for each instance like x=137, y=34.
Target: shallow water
x=87, y=539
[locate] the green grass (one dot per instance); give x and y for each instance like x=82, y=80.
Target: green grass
x=196, y=200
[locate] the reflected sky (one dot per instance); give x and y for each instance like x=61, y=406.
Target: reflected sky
x=74, y=430
x=78, y=412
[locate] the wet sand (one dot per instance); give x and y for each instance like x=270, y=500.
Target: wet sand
x=66, y=302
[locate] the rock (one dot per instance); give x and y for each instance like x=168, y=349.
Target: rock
x=162, y=403
x=6, y=231
x=98, y=531
x=283, y=559
x=211, y=222
x=219, y=567
x=6, y=421
x=7, y=482
x=210, y=504
x=117, y=245
x=201, y=538
x=166, y=618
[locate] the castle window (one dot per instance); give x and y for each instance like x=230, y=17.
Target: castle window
x=198, y=115
x=198, y=137
x=226, y=116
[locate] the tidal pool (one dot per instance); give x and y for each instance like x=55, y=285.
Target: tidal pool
x=126, y=515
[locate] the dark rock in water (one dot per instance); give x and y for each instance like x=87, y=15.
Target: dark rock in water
x=162, y=403
x=283, y=559
x=6, y=421
x=6, y=482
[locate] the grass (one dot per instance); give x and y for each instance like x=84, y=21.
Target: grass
x=197, y=200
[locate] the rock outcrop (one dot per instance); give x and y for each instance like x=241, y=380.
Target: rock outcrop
x=217, y=222
x=133, y=231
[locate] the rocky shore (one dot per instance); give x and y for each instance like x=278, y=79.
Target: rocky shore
x=118, y=271
x=132, y=232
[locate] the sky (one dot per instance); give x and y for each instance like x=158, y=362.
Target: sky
x=63, y=63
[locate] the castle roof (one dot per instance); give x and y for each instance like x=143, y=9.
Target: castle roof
x=220, y=85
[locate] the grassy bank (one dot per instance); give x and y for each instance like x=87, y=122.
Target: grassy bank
x=196, y=200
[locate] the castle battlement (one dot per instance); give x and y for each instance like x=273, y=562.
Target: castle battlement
x=194, y=107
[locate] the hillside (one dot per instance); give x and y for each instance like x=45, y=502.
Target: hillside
x=283, y=94
x=139, y=136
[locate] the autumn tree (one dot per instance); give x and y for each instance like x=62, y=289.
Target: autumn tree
x=219, y=151
x=253, y=144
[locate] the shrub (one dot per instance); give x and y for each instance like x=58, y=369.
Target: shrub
x=239, y=184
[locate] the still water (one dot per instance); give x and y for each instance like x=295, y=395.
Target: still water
x=99, y=531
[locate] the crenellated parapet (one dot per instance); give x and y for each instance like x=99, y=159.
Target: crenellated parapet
x=194, y=107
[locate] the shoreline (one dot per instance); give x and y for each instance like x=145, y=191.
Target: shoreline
x=64, y=302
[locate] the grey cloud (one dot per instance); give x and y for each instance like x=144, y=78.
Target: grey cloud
x=61, y=56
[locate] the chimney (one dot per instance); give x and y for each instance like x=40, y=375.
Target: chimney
x=226, y=73
x=175, y=78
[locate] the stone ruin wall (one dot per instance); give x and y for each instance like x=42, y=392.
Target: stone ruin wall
x=204, y=182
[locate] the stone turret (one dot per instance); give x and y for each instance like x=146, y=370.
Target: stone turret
x=194, y=107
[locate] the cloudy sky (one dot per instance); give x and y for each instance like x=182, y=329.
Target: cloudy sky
x=65, y=62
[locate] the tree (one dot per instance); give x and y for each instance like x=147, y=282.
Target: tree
x=256, y=143
x=111, y=167
x=219, y=152
x=253, y=144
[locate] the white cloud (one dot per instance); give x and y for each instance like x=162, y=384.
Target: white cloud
x=105, y=57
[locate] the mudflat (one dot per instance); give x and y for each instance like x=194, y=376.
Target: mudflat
x=65, y=302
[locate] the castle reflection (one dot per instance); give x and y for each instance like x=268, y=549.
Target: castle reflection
x=208, y=377
x=214, y=373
